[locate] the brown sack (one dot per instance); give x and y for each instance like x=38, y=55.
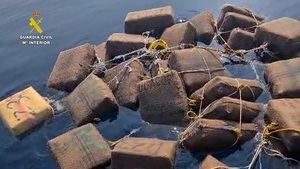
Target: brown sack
x=196, y=66
x=123, y=80
x=100, y=52
x=283, y=78
x=71, y=67
x=283, y=36
x=221, y=86
x=285, y=113
x=156, y=19
x=228, y=108
x=81, y=148
x=211, y=162
x=180, y=33
x=204, y=24
x=144, y=153
x=240, y=39
x=158, y=66
x=90, y=99
x=163, y=100
x=215, y=135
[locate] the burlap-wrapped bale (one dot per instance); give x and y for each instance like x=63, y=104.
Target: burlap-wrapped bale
x=90, y=99
x=216, y=135
x=283, y=78
x=100, y=52
x=241, y=39
x=121, y=43
x=236, y=9
x=221, y=86
x=144, y=153
x=204, y=24
x=163, y=100
x=156, y=19
x=123, y=80
x=180, y=33
x=71, y=67
x=211, y=162
x=159, y=66
x=196, y=66
x=228, y=108
x=286, y=115
x=282, y=35
x=81, y=148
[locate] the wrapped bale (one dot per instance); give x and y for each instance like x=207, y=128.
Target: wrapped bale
x=180, y=33
x=72, y=66
x=100, y=52
x=91, y=99
x=283, y=78
x=158, y=67
x=24, y=110
x=211, y=162
x=228, y=108
x=221, y=86
x=216, y=135
x=286, y=115
x=81, y=148
x=123, y=80
x=204, y=24
x=196, y=66
x=163, y=100
x=144, y=153
x=241, y=39
x=282, y=35
x=156, y=19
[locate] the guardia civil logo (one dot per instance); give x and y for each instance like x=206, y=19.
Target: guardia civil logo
x=35, y=22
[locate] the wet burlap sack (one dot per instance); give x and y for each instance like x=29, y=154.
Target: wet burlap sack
x=282, y=35
x=180, y=33
x=123, y=80
x=211, y=162
x=144, y=153
x=71, y=67
x=228, y=108
x=216, y=135
x=204, y=24
x=283, y=78
x=156, y=20
x=221, y=86
x=196, y=66
x=241, y=39
x=81, y=148
x=163, y=100
x=285, y=114
x=91, y=99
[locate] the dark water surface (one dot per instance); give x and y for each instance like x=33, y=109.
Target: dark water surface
x=75, y=22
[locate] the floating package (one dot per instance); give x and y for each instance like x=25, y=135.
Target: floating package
x=71, y=67
x=92, y=98
x=24, y=110
x=211, y=162
x=163, y=100
x=240, y=39
x=144, y=153
x=81, y=148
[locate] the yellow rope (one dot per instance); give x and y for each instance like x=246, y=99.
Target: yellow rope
x=273, y=128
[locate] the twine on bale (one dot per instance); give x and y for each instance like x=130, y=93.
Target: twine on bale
x=113, y=143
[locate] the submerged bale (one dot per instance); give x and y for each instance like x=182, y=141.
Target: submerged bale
x=216, y=135
x=241, y=39
x=180, y=33
x=123, y=80
x=229, y=109
x=221, y=86
x=282, y=35
x=283, y=78
x=144, y=153
x=211, y=162
x=286, y=115
x=156, y=19
x=204, y=24
x=159, y=66
x=196, y=66
x=90, y=99
x=24, y=110
x=163, y=100
x=81, y=148
x=71, y=67
x=121, y=43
